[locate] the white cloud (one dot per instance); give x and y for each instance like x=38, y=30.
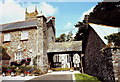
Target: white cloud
x=70, y=27
x=86, y=12
x=47, y=9
x=11, y=11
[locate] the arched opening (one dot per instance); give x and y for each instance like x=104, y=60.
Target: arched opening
x=65, y=60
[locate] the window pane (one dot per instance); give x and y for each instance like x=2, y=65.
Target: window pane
x=7, y=37
x=24, y=35
x=18, y=56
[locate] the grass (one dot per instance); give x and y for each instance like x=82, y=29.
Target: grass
x=85, y=78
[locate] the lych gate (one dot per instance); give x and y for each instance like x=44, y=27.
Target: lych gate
x=65, y=54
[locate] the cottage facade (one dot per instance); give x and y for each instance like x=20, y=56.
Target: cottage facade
x=28, y=39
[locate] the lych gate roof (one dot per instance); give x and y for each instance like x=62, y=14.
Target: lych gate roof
x=65, y=46
x=103, y=30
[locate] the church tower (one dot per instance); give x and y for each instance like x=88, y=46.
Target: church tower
x=32, y=15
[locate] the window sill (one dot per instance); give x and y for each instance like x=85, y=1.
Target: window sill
x=6, y=41
x=24, y=40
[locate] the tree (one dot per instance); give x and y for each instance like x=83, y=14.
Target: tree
x=115, y=38
x=69, y=36
x=62, y=38
x=81, y=31
x=106, y=13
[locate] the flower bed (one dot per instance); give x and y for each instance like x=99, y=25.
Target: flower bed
x=18, y=70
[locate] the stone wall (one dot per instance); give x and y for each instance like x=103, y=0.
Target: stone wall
x=0, y=39
x=25, y=45
x=116, y=63
x=49, y=37
x=96, y=63
x=45, y=36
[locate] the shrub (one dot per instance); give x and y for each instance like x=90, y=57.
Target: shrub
x=13, y=63
x=60, y=69
x=21, y=69
x=4, y=69
x=23, y=61
x=28, y=59
x=8, y=69
x=37, y=72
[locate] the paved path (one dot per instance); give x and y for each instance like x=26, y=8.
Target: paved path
x=55, y=77
x=59, y=76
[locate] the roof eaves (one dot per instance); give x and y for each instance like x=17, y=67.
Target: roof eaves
x=105, y=25
x=18, y=28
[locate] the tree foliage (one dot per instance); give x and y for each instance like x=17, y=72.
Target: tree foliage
x=62, y=38
x=81, y=31
x=107, y=13
x=69, y=36
x=115, y=38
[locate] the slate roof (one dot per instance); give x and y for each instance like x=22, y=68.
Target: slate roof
x=16, y=25
x=65, y=46
x=103, y=30
x=20, y=24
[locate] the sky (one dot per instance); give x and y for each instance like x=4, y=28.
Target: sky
x=67, y=13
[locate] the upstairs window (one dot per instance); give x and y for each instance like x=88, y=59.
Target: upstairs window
x=7, y=37
x=24, y=35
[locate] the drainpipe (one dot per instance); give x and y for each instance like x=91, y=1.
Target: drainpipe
x=82, y=63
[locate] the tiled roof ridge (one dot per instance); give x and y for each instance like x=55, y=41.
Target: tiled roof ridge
x=105, y=25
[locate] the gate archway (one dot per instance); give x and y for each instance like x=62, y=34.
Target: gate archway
x=66, y=50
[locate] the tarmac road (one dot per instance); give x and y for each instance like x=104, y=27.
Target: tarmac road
x=53, y=78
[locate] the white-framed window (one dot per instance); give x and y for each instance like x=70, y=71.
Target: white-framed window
x=7, y=37
x=18, y=55
x=24, y=35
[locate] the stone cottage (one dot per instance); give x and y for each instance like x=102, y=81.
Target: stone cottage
x=35, y=38
x=29, y=38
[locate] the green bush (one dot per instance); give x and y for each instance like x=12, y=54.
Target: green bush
x=25, y=68
x=85, y=78
x=11, y=67
x=36, y=72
